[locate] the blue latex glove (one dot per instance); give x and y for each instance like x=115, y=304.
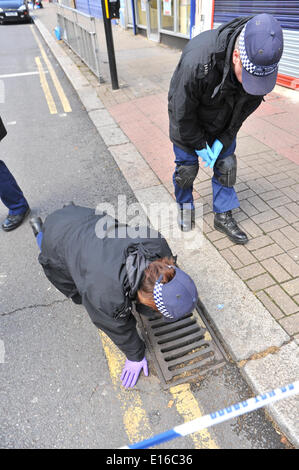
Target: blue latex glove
x=131, y=372
x=204, y=154
x=207, y=156
x=210, y=155
x=216, y=150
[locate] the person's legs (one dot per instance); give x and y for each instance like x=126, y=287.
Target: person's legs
x=10, y=193
x=183, y=177
x=225, y=198
x=12, y=197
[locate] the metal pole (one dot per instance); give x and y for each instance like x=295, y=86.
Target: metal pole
x=110, y=48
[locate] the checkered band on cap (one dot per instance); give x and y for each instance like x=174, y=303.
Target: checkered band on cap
x=159, y=300
x=256, y=70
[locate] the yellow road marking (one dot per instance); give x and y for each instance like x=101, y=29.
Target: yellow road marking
x=64, y=101
x=45, y=87
x=187, y=406
x=135, y=419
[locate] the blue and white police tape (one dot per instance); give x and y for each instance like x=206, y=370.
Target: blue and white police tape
x=219, y=416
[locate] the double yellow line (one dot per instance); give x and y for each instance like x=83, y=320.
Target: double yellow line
x=135, y=420
x=49, y=98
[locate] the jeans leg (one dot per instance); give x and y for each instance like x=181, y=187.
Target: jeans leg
x=10, y=193
x=224, y=198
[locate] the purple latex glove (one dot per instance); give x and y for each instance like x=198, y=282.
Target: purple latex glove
x=131, y=372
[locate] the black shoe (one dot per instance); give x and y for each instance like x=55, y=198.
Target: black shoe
x=186, y=219
x=36, y=225
x=13, y=221
x=224, y=222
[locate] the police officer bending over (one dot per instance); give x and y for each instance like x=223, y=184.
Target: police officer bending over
x=219, y=81
x=92, y=260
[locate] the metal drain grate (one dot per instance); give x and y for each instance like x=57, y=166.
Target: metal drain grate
x=183, y=350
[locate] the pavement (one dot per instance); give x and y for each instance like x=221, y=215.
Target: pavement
x=250, y=293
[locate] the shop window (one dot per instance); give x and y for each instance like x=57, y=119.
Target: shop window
x=141, y=11
x=175, y=16
x=167, y=15
x=153, y=10
x=184, y=16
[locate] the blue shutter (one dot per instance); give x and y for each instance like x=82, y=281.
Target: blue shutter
x=285, y=11
x=90, y=7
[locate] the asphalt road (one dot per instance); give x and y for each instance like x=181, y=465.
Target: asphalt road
x=58, y=387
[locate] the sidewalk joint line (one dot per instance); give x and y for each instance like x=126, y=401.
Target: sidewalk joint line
x=262, y=354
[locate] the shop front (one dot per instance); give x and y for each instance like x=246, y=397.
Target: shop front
x=162, y=17
x=183, y=19
x=286, y=12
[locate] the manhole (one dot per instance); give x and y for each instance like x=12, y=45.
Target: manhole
x=183, y=350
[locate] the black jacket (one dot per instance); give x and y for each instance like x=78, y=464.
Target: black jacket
x=85, y=261
x=205, y=100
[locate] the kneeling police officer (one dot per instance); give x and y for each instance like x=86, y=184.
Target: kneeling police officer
x=92, y=259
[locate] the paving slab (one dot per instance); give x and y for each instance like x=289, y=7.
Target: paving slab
x=269, y=372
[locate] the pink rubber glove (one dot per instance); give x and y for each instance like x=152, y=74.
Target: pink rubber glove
x=131, y=372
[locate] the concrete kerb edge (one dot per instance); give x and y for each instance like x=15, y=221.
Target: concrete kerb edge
x=83, y=89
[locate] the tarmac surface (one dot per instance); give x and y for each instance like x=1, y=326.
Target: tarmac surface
x=251, y=293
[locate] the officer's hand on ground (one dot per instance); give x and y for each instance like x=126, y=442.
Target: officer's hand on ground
x=131, y=372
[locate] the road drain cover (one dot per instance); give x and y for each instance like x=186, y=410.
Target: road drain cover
x=183, y=350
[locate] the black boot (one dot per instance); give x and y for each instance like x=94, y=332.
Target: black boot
x=36, y=225
x=186, y=219
x=224, y=222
